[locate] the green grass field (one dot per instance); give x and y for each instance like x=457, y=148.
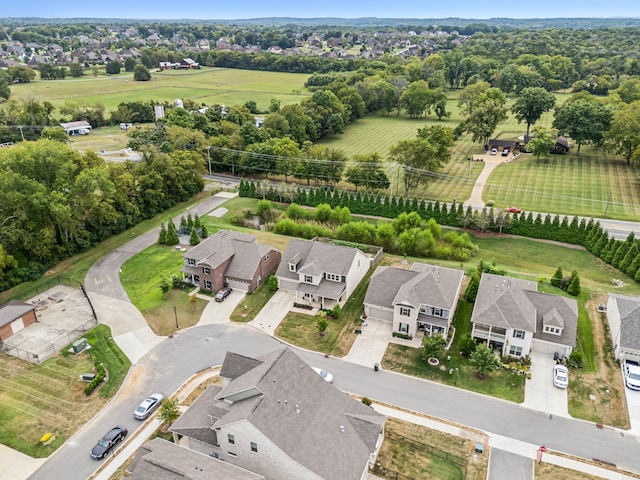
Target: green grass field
x=208, y=85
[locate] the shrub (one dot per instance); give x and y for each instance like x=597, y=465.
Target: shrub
x=98, y=379
x=406, y=336
x=576, y=360
x=273, y=283
x=366, y=401
x=467, y=346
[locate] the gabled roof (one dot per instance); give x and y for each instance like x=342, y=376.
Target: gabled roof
x=555, y=311
x=299, y=412
x=159, y=459
x=629, y=308
x=12, y=310
x=242, y=249
x=422, y=285
x=198, y=423
x=315, y=258
x=501, y=302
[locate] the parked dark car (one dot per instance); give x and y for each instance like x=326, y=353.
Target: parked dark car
x=107, y=443
x=223, y=293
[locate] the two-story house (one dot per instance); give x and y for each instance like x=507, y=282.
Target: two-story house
x=321, y=274
x=231, y=259
x=276, y=417
x=510, y=314
x=623, y=315
x=422, y=298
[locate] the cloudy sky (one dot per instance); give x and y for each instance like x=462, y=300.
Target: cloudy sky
x=208, y=9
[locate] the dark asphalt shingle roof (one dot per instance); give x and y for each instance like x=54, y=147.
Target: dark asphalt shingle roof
x=12, y=310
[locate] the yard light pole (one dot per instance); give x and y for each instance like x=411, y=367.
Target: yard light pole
x=209, y=158
x=175, y=312
x=456, y=380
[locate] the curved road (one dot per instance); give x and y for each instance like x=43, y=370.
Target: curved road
x=172, y=361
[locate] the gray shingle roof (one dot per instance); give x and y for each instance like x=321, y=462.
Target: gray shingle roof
x=501, y=302
x=629, y=308
x=307, y=418
x=243, y=250
x=423, y=284
x=558, y=311
x=316, y=257
x=197, y=420
x=13, y=309
x=162, y=460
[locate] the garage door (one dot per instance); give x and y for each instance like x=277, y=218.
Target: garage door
x=17, y=325
x=238, y=285
x=548, y=348
x=380, y=314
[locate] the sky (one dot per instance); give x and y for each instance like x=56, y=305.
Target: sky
x=223, y=10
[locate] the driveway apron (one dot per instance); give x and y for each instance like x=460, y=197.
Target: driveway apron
x=539, y=392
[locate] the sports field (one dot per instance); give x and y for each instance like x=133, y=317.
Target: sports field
x=208, y=85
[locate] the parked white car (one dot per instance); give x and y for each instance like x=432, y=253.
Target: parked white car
x=324, y=374
x=631, y=373
x=560, y=376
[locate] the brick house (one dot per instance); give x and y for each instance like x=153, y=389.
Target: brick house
x=230, y=259
x=14, y=316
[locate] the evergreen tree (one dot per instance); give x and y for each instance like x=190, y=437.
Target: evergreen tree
x=599, y=244
x=162, y=237
x=183, y=225
x=194, y=239
x=471, y=292
x=204, y=231
x=574, y=285
x=634, y=267
x=610, y=250
x=622, y=250
x=196, y=221
x=189, y=221
x=556, y=280
x=172, y=234
x=628, y=258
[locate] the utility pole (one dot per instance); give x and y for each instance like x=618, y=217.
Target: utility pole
x=470, y=160
x=21, y=132
x=175, y=312
x=209, y=158
x=607, y=206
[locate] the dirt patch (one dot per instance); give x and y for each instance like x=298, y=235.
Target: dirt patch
x=546, y=471
x=599, y=396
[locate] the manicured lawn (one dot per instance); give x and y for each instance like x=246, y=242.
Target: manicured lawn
x=144, y=290
x=497, y=383
x=300, y=329
x=49, y=397
x=104, y=350
x=251, y=305
x=209, y=85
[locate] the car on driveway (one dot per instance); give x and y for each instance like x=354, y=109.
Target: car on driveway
x=324, y=374
x=560, y=376
x=494, y=151
x=631, y=372
x=513, y=210
x=505, y=152
x=148, y=406
x=223, y=293
x=107, y=443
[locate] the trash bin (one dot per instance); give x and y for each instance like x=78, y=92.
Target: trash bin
x=376, y=366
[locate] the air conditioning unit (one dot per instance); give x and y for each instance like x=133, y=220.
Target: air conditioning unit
x=80, y=345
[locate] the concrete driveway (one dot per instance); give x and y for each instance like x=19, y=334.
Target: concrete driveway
x=539, y=392
x=274, y=311
x=371, y=344
x=219, y=312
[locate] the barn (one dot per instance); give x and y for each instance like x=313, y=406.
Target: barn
x=81, y=127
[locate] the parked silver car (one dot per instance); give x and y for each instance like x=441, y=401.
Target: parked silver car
x=148, y=406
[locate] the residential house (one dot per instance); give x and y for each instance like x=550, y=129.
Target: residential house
x=421, y=298
x=510, y=314
x=15, y=316
x=623, y=314
x=321, y=274
x=231, y=259
x=276, y=417
x=189, y=63
x=162, y=460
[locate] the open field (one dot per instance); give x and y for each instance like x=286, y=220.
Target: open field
x=49, y=397
x=207, y=85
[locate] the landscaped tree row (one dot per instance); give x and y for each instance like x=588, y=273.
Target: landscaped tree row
x=55, y=202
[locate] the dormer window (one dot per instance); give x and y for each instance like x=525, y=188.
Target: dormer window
x=292, y=267
x=191, y=261
x=308, y=279
x=552, y=330
x=333, y=277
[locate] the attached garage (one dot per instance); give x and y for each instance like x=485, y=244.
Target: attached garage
x=379, y=313
x=238, y=285
x=549, y=348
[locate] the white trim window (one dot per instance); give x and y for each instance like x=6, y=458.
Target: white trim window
x=333, y=277
x=519, y=333
x=254, y=447
x=405, y=311
x=308, y=279
x=515, y=350
x=552, y=330
x=231, y=439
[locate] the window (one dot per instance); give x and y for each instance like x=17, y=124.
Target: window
x=292, y=267
x=437, y=312
x=513, y=350
x=231, y=454
x=206, y=270
x=403, y=327
x=308, y=279
x=231, y=438
x=254, y=447
x=266, y=257
x=518, y=334
x=191, y=261
x=552, y=330
x=207, y=285
x=333, y=277
x=405, y=312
